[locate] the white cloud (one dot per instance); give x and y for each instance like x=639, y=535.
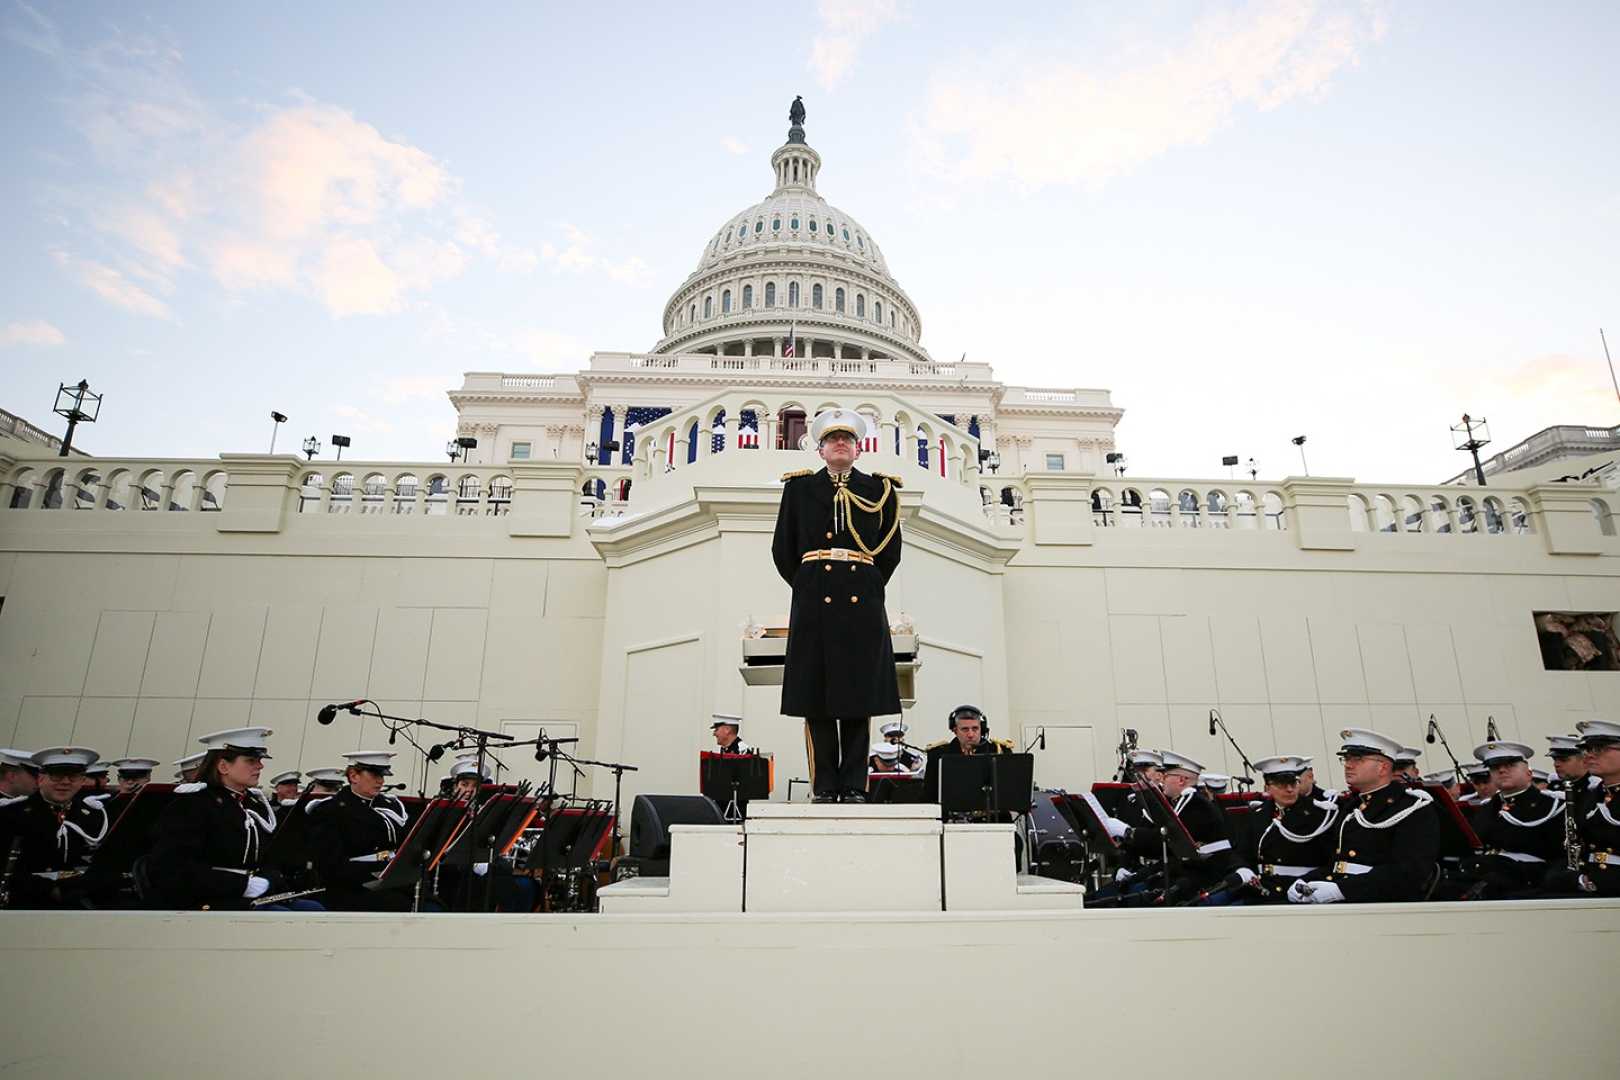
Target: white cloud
x=33, y=332
x=845, y=26
x=397, y=389
x=32, y=30
x=361, y=421
x=1052, y=121
x=112, y=286
x=549, y=349
x=576, y=256
x=734, y=145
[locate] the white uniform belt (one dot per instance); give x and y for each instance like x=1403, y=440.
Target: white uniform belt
x=1285, y=871
x=1517, y=856
x=836, y=555
x=1352, y=868
x=1601, y=858
x=1214, y=846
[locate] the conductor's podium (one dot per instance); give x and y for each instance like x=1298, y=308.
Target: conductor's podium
x=808, y=857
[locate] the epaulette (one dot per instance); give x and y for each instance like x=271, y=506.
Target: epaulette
x=11, y=799
x=796, y=472
x=941, y=742
x=189, y=788
x=310, y=806
x=894, y=480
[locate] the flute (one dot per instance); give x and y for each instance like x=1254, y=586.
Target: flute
x=283, y=897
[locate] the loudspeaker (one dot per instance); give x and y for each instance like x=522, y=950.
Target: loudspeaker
x=652, y=815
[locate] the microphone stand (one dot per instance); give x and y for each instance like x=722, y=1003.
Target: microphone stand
x=1434, y=729
x=1247, y=780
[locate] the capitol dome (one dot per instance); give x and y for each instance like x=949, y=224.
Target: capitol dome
x=793, y=262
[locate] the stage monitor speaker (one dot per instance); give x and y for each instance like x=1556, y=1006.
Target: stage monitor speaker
x=652, y=815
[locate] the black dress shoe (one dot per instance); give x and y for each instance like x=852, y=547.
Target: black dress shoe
x=853, y=797
x=824, y=797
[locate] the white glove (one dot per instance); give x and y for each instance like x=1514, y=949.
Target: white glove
x=1116, y=828
x=1122, y=875
x=256, y=887
x=1245, y=875
x=1314, y=892
x=480, y=869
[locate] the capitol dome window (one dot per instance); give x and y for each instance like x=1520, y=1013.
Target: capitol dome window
x=877, y=310
x=748, y=297
x=812, y=224
x=860, y=241
x=725, y=302
x=793, y=294
x=838, y=301
x=759, y=226
x=891, y=317
x=846, y=236
x=708, y=306
x=691, y=316
x=815, y=297
x=860, y=306
x=770, y=294
x=742, y=232
x=795, y=224
x=776, y=224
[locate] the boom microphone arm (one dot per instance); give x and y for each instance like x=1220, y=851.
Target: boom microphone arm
x=1215, y=720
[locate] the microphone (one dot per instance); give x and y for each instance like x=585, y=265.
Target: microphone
x=1043, y=738
x=329, y=712
x=393, y=736
x=435, y=752
x=1212, y=721
x=1429, y=738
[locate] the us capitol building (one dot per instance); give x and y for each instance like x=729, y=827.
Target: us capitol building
x=598, y=564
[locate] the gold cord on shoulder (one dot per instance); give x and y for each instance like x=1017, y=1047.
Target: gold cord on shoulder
x=843, y=498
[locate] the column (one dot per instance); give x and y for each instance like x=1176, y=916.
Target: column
x=733, y=428
x=621, y=417
x=705, y=440
x=886, y=435
x=768, y=423
x=593, y=426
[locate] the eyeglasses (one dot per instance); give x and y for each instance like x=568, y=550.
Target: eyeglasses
x=1282, y=781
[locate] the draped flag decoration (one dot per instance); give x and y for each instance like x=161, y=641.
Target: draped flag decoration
x=748, y=430
x=635, y=417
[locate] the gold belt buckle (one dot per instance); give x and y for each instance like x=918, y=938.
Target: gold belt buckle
x=1339, y=867
x=1601, y=858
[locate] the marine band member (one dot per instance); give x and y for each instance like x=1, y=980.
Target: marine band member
x=1296, y=840
x=211, y=838
x=837, y=544
x=910, y=760
x=185, y=770
x=1478, y=776
x=1521, y=828
x=726, y=741
x=1569, y=762
x=55, y=830
x=1388, y=838
x=1203, y=820
x=969, y=735
x=134, y=773
x=1597, y=813
x=285, y=791
x=354, y=833
x=1407, y=770
x=18, y=776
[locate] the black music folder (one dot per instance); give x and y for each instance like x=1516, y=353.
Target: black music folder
x=986, y=783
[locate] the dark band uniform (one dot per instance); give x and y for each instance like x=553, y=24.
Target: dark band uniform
x=837, y=544
x=353, y=839
x=55, y=841
x=1598, y=815
x=1206, y=824
x=954, y=747
x=1295, y=842
x=1523, y=836
x=1387, y=847
x=210, y=840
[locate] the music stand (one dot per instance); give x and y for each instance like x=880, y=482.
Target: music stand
x=986, y=783
x=1177, y=840
x=1113, y=796
x=288, y=852
x=423, y=846
x=895, y=787
x=740, y=777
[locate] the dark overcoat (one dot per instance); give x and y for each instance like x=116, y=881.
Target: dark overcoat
x=840, y=662
x=209, y=841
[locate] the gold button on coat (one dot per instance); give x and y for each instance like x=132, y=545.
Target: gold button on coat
x=826, y=599
x=853, y=599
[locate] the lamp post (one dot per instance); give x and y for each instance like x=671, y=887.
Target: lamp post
x=1117, y=460
x=312, y=446
x=1254, y=471
x=1470, y=435
x=1299, y=441
x=340, y=441
x=990, y=458
x=75, y=404
x=458, y=446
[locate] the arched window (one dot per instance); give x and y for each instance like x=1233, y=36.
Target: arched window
x=877, y=310
x=692, y=315
x=759, y=226
x=725, y=302
x=793, y=294
x=846, y=236
x=838, y=301
x=748, y=297
x=1603, y=516
x=708, y=306
x=815, y=297
x=794, y=224
x=860, y=305
x=860, y=241
x=891, y=318
x=776, y=224
x=770, y=294
x=742, y=231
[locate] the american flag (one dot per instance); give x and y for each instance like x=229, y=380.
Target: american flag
x=637, y=416
x=869, y=444
x=748, y=430
x=790, y=349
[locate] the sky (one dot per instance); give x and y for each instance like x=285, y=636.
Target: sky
x=1249, y=221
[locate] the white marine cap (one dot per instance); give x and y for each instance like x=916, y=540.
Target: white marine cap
x=253, y=740
x=19, y=759
x=1286, y=764
x=1558, y=745
x=833, y=420
x=190, y=761
x=1442, y=778
x=1492, y=752
x=1360, y=740
x=725, y=718
x=326, y=776
x=886, y=751
x=1215, y=781
x=130, y=766
x=1173, y=760
x=468, y=766
x=893, y=727
x=65, y=757
x=98, y=768
x=1147, y=757
x=289, y=777
x=1597, y=733
x=1475, y=768
x=1409, y=755
x=376, y=761
x=1541, y=776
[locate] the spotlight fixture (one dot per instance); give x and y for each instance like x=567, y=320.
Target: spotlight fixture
x=312, y=446
x=276, y=420
x=1299, y=441
x=340, y=441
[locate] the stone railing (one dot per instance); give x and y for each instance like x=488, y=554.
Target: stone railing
x=49, y=483
x=864, y=367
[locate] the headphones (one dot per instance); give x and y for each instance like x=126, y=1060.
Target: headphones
x=960, y=710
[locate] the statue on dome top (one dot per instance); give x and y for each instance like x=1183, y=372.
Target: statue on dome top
x=796, y=111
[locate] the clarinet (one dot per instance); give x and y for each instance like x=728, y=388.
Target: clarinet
x=1572, y=826
x=11, y=869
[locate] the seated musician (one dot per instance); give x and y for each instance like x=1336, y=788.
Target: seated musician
x=1479, y=782
x=1541, y=778
x=459, y=891
x=1521, y=828
x=1569, y=762
x=1214, y=783
x=209, y=842
x=1133, y=875
x=95, y=780
x=894, y=733
x=18, y=777
x=185, y=770
x=1203, y=821
x=54, y=832
x=1295, y=840
x=1597, y=816
x=1445, y=778
x=284, y=792
x=465, y=778
x=725, y=729
x=354, y=833
x=1407, y=770
x=324, y=783
x=134, y=773
x=970, y=729
x=1388, y=839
